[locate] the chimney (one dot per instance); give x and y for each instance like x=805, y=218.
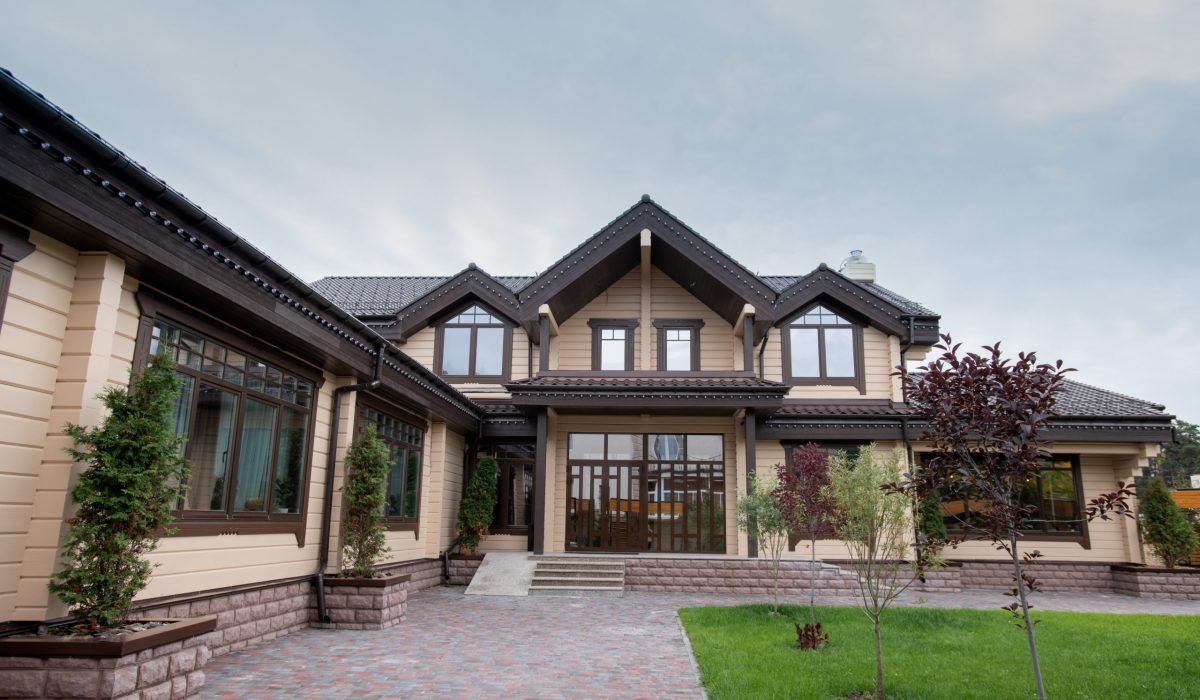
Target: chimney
x=857, y=268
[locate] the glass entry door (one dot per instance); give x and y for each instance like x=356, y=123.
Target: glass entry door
x=645, y=493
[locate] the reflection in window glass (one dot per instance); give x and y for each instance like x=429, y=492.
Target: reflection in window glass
x=666, y=447
x=489, y=351
x=209, y=448
x=254, y=456
x=289, y=462
x=839, y=352
x=412, y=478
x=456, y=351
x=624, y=446
x=678, y=342
x=806, y=357
x=585, y=446
x=705, y=447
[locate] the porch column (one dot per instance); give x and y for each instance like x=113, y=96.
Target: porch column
x=748, y=342
x=751, y=469
x=539, y=482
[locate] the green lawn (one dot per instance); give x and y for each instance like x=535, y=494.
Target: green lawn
x=743, y=652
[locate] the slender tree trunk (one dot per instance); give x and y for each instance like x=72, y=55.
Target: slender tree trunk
x=878, y=660
x=812, y=582
x=775, y=579
x=1020, y=584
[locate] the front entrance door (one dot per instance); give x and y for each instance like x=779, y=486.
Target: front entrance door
x=652, y=493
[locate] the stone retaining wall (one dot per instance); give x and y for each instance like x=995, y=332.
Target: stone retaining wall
x=424, y=573
x=363, y=603
x=463, y=568
x=1168, y=584
x=248, y=616
x=174, y=670
x=1051, y=576
x=745, y=576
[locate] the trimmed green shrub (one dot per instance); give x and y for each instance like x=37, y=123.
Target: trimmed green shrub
x=478, y=504
x=1165, y=527
x=930, y=521
x=364, y=496
x=135, y=476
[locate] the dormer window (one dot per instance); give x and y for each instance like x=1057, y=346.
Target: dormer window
x=821, y=347
x=473, y=344
x=612, y=344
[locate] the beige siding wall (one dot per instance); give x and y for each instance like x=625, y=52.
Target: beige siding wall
x=35, y=323
x=668, y=300
x=503, y=543
x=881, y=353
x=573, y=346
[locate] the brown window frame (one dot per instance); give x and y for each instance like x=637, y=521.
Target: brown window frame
x=398, y=522
x=1082, y=536
x=858, y=380
x=471, y=376
x=629, y=325
x=677, y=324
x=194, y=523
x=500, y=517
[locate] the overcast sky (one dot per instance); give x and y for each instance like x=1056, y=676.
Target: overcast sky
x=1028, y=170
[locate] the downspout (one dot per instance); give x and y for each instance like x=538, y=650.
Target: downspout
x=331, y=464
x=762, y=349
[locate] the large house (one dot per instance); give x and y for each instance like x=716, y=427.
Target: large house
x=629, y=390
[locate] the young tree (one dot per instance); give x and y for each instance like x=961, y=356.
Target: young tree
x=1165, y=526
x=478, y=504
x=364, y=496
x=803, y=498
x=759, y=515
x=985, y=415
x=874, y=521
x=135, y=476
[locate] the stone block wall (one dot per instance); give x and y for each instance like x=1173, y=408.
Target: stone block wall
x=247, y=616
x=947, y=579
x=424, y=573
x=1177, y=584
x=1052, y=576
x=364, y=604
x=174, y=670
x=463, y=568
x=743, y=576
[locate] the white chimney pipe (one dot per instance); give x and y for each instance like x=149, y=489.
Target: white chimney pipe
x=857, y=267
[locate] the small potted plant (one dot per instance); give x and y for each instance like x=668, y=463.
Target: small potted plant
x=361, y=598
x=135, y=475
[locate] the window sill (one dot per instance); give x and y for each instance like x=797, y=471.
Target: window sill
x=226, y=526
x=522, y=531
x=401, y=525
x=1030, y=536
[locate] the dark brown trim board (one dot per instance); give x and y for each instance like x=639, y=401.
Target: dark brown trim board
x=472, y=376
x=176, y=630
x=14, y=247
x=539, y=484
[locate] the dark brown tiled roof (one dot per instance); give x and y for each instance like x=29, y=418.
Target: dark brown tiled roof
x=651, y=383
x=866, y=408
x=1086, y=400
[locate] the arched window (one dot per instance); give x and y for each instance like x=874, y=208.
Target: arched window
x=473, y=344
x=822, y=347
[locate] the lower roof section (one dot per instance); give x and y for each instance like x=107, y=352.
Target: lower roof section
x=694, y=393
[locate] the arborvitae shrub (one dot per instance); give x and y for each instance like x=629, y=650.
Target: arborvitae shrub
x=364, y=495
x=478, y=504
x=1165, y=527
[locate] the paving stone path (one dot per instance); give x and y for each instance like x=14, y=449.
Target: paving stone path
x=457, y=646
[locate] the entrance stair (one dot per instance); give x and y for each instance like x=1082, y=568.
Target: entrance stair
x=578, y=575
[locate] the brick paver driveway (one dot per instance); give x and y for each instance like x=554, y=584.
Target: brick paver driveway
x=458, y=646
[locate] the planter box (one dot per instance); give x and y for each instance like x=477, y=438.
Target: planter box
x=365, y=603
x=463, y=568
x=164, y=662
x=1157, y=582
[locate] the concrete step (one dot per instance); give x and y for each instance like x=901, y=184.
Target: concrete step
x=569, y=559
x=580, y=567
x=579, y=580
x=577, y=591
x=546, y=571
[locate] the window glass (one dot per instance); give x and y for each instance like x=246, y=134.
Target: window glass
x=520, y=494
x=210, y=447
x=289, y=461
x=708, y=448
x=679, y=349
x=404, y=449
x=585, y=446
x=412, y=483
x=612, y=348
x=489, y=351
x=805, y=352
x=395, y=501
x=181, y=412
x=456, y=351
x=1051, y=496
x=624, y=446
x=839, y=352
x=666, y=447
x=820, y=316
x=254, y=456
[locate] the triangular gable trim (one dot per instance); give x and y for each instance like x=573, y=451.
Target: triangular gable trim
x=470, y=283
x=845, y=292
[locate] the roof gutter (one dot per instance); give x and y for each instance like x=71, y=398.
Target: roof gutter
x=330, y=465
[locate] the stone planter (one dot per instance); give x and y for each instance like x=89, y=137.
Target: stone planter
x=463, y=568
x=164, y=662
x=365, y=603
x=1156, y=582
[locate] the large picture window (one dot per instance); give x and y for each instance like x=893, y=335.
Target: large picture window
x=474, y=344
x=822, y=347
x=1054, y=496
x=246, y=423
x=405, y=443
